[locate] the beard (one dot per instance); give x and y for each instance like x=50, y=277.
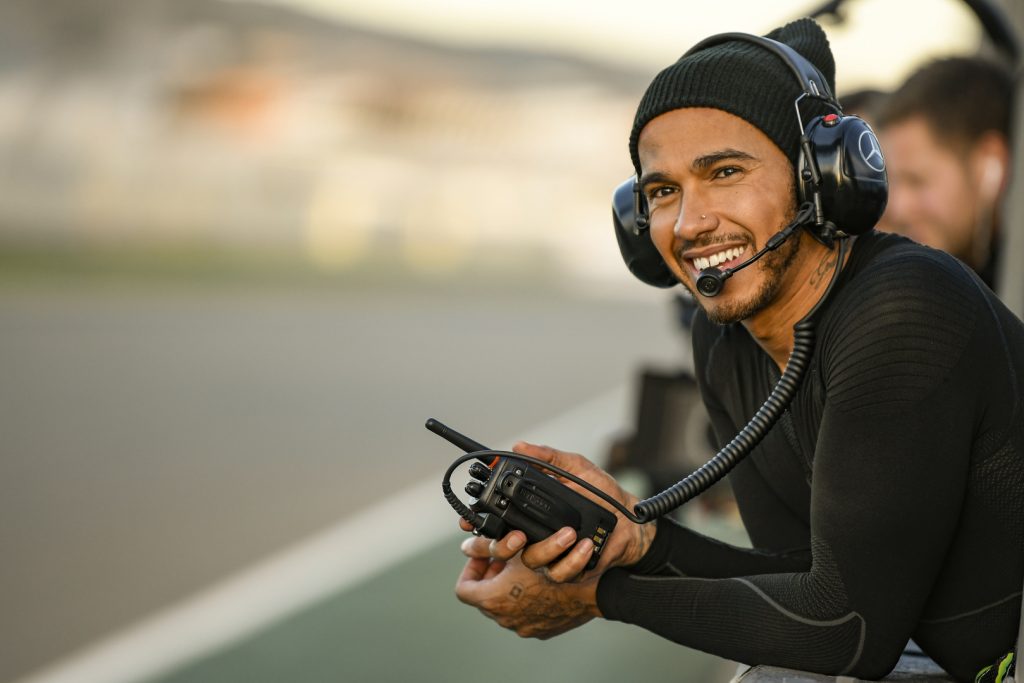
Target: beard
x=772, y=267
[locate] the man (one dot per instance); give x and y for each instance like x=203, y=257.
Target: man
x=946, y=135
x=886, y=504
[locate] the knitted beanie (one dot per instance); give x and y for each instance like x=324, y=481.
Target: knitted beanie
x=746, y=80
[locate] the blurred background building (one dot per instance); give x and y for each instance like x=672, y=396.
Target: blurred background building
x=287, y=132
x=210, y=126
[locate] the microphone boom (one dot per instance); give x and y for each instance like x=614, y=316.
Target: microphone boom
x=710, y=281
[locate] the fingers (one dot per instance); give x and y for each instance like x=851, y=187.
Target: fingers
x=464, y=525
x=473, y=583
x=500, y=549
x=547, y=551
x=572, y=565
x=494, y=569
x=544, y=556
x=472, y=573
x=488, y=557
x=468, y=585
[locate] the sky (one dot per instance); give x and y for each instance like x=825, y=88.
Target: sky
x=878, y=45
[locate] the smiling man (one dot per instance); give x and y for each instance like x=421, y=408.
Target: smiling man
x=886, y=502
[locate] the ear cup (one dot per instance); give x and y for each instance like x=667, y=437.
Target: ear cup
x=853, y=188
x=638, y=251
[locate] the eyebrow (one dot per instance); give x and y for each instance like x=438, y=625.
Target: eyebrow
x=708, y=160
x=701, y=163
x=653, y=177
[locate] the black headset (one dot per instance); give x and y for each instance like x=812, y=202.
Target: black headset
x=840, y=173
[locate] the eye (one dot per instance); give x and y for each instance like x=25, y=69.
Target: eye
x=659, y=192
x=726, y=172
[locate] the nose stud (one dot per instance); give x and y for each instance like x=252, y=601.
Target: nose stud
x=703, y=216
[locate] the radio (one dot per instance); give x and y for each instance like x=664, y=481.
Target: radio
x=512, y=494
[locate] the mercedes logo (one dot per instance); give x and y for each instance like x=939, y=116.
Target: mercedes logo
x=870, y=152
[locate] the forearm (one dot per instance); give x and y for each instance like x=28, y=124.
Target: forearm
x=736, y=619
x=725, y=600
x=679, y=551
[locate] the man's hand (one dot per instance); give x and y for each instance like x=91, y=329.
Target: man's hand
x=523, y=600
x=627, y=544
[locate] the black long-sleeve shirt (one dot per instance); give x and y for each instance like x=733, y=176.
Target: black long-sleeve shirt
x=887, y=503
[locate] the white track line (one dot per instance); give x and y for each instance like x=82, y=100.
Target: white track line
x=305, y=573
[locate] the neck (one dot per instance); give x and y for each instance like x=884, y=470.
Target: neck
x=806, y=281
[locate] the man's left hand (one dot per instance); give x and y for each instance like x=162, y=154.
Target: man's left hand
x=525, y=601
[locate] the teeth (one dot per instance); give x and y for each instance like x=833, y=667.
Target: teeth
x=702, y=262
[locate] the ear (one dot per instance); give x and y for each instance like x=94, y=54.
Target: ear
x=989, y=161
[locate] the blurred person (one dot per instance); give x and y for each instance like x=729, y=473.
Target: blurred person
x=886, y=504
x=946, y=136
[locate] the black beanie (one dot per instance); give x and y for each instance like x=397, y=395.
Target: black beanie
x=746, y=80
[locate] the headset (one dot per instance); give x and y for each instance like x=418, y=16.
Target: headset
x=841, y=183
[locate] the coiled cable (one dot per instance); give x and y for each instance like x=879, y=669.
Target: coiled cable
x=743, y=443
x=757, y=428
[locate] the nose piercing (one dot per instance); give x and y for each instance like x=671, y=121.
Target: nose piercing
x=703, y=216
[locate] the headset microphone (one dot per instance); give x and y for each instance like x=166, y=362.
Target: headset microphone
x=711, y=280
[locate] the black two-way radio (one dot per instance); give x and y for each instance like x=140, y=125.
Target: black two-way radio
x=512, y=494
